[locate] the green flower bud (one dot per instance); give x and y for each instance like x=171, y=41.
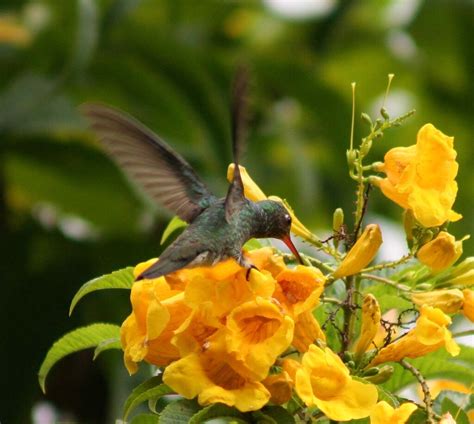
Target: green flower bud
x=382, y=376
x=366, y=118
x=465, y=266
x=351, y=157
x=370, y=372
x=384, y=113
x=337, y=219
x=365, y=148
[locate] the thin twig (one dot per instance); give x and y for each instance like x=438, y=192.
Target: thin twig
x=391, y=264
x=387, y=281
x=424, y=387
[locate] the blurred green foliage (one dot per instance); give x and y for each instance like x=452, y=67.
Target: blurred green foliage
x=67, y=214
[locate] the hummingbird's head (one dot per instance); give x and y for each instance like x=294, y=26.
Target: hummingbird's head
x=276, y=223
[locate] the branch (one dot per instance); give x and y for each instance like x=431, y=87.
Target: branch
x=387, y=281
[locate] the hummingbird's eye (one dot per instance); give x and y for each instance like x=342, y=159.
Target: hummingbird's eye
x=288, y=218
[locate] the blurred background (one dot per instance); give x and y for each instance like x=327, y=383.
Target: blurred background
x=67, y=214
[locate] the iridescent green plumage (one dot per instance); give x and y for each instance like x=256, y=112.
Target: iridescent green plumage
x=218, y=227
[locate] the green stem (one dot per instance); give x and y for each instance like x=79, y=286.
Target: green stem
x=348, y=307
x=387, y=281
x=316, y=262
x=463, y=333
x=332, y=300
x=424, y=387
x=392, y=264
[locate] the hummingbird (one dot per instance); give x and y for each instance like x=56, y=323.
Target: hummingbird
x=218, y=227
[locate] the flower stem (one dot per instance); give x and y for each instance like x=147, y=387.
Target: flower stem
x=392, y=264
x=424, y=387
x=387, y=281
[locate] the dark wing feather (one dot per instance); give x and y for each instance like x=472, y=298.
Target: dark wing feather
x=162, y=173
x=235, y=199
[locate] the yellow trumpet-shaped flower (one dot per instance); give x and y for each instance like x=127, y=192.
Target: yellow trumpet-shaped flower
x=280, y=387
x=437, y=386
x=468, y=305
x=430, y=334
x=441, y=252
x=146, y=334
x=298, y=290
x=362, y=253
x=257, y=333
x=383, y=413
x=370, y=324
x=422, y=177
x=449, y=301
x=324, y=381
x=253, y=192
x=215, y=376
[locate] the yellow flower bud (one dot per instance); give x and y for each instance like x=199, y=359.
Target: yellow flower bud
x=280, y=387
x=440, y=253
x=337, y=219
x=468, y=307
x=370, y=324
x=449, y=301
x=465, y=280
x=362, y=253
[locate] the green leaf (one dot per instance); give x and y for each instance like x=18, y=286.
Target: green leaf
x=387, y=397
x=86, y=35
x=79, y=339
x=121, y=279
x=439, y=364
x=179, y=412
x=108, y=344
x=175, y=223
x=145, y=419
x=447, y=405
x=152, y=388
x=279, y=414
x=217, y=410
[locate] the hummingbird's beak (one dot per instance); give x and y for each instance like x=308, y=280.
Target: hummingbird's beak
x=291, y=246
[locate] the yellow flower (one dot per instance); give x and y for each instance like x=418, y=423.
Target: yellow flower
x=324, y=381
x=370, y=324
x=298, y=290
x=146, y=333
x=429, y=334
x=449, y=301
x=253, y=192
x=307, y=331
x=437, y=386
x=12, y=32
x=441, y=252
x=215, y=376
x=421, y=177
x=257, y=333
x=362, y=253
x=468, y=306
x=280, y=387
x=266, y=259
x=383, y=413
x=193, y=333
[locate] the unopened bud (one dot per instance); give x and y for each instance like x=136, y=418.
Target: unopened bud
x=440, y=253
x=370, y=324
x=366, y=118
x=449, y=301
x=424, y=286
x=382, y=376
x=350, y=364
x=464, y=280
x=426, y=237
x=370, y=372
x=337, y=219
x=465, y=266
x=362, y=253
x=365, y=148
x=351, y=157
x=384, y=113
x=348, y=356
x=468, y=305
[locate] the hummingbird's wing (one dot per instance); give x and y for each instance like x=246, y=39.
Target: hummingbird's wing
x=148, y=160
x=235, y=198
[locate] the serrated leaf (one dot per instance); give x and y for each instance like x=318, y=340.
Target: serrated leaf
x=108, y=344
x=217, y=410
x=179, y=412
x=172, y=226
x=121, y=279
x=79, y=339
x=152, y=388
x=145, y=419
